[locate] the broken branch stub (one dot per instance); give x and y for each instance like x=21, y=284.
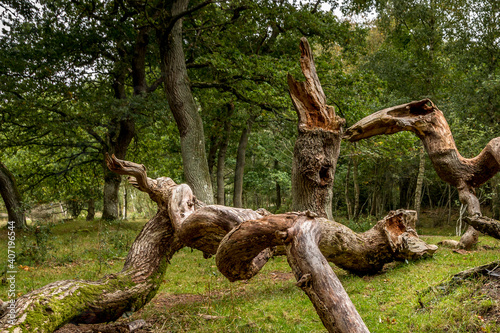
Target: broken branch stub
x=317, y=147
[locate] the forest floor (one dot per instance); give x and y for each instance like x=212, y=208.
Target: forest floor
x=195, y=297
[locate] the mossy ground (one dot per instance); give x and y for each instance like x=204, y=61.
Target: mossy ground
x=195, y=297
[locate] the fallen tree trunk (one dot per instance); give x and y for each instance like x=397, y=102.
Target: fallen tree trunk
x=429, y=124
x=183, y=221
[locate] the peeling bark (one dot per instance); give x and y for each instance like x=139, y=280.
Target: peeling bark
x=429, y=124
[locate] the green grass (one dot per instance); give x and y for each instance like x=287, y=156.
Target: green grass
x=195, y=297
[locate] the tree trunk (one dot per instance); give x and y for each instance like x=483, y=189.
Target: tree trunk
x=348, y=202
x=240, y=164
x=221, y=157
x=318, y=144
x=183, y=106
x=278, y=188
x=11, y=197
x=129, y=290
x=429, y=124
x=90, y=210
x=220, y=172
x=125, y=203
x=420, y=183
x=246, y=248
x=357, y=210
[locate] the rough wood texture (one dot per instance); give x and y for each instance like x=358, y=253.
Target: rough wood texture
x=57, y=303
x=393, y=238
x=318, y=144
x=310, y=242
x=427, y=122
x=316, y=278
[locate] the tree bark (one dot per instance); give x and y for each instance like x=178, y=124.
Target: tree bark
x=90, y=210
x=357, y=210
x=348, y=202
x=429, y=124
x=221, y=157
x=247, y=247
x=183, y=106
x=119, y=138
x=240, y=164
x=318, y=144
x=11, y=197
x=79, y=301
x=420, y=183
x=278, y=188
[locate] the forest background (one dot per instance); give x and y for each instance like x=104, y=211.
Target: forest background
x=83, y=78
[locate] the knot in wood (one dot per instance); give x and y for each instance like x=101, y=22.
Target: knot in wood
x=305, y=281
x=310, y=214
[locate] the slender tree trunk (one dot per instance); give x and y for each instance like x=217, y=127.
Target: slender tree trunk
x=220, y=171
x=183, y=106
x=278, y=188
x=495, y=206
x=125, y=203
x=11, y=197
x=355, y=163
x=240, y=164
x=90, y=210
x=118, y=144
x=221, y=157
x=348, y=202
x=420, y=182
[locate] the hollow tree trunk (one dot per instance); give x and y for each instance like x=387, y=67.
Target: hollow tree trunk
x=429, y=124
x=11, y=197
x=240, y=164
x=318, y=144
x=183, y=107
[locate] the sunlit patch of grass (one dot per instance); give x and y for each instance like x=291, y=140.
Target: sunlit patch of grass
x=269, y=302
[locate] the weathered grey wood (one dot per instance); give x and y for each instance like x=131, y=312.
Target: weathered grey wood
x=317, y=279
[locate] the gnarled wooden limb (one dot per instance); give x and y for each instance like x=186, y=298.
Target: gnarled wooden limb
x=427, y=122
x=244, y=251
x=485, y=224
x=55, y=304
x=393, y=238
x=317, y=279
